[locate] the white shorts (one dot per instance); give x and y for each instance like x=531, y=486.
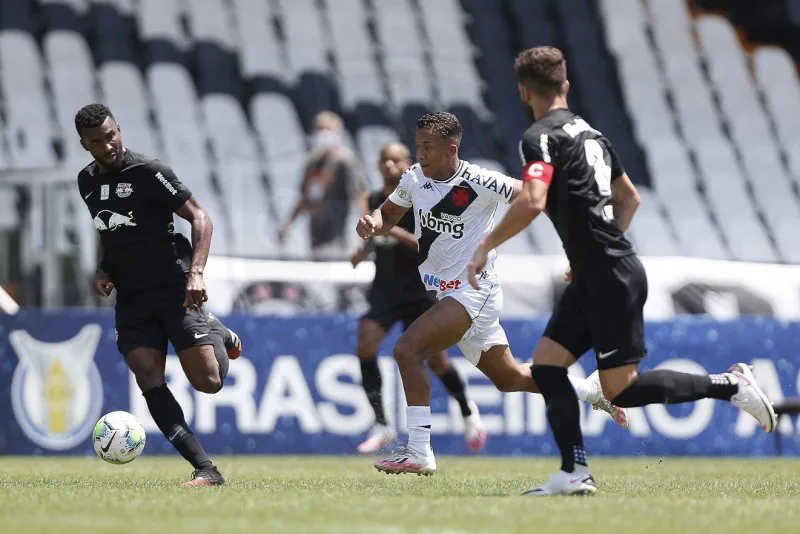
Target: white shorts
x=483, y=307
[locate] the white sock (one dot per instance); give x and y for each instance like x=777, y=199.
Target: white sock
x=586, y=390
x=418, y=419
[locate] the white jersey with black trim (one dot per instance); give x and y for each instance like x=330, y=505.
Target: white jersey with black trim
x=452, y=216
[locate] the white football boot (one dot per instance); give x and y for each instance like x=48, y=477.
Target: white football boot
x=751, y=399
x=405, y=461
x=619, y=415
x=563, y=483
x=474, y=431
x=379, y=437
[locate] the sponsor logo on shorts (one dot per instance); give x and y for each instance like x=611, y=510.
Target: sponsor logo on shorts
x=56, y=390
x=440, y=283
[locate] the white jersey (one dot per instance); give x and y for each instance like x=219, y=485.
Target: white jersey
x=452, y=216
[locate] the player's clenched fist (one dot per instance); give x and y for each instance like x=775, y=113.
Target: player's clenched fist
x=366, y=227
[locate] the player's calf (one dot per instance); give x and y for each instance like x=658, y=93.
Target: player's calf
x=201, y=367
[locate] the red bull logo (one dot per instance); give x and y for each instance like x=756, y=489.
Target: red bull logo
x=110, y=220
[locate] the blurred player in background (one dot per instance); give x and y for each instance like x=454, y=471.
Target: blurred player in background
x=454, y=204
x=332, y=181
x=397, y=295
x=158, y=276
x=572, y=173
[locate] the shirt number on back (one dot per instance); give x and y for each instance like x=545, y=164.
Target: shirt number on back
x=602, y=173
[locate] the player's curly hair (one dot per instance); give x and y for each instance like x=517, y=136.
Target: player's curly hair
x=443, y=124
x=543, y=69
x=91, y=116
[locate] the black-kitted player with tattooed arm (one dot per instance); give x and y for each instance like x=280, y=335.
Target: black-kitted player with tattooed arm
x=158, y=277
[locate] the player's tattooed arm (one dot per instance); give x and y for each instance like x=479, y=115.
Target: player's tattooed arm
x=625, y=199
x=202, y=229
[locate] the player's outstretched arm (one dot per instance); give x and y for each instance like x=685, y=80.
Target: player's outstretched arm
x=530, y=203
x=202, y=229
x=381, y=221
x=625, y=199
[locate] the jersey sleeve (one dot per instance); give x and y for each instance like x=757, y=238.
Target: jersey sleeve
x=617, y=169
x=402, y=193
x=536, y=151
x=166, y=188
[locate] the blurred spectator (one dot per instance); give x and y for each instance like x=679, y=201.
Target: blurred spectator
x=333, y=179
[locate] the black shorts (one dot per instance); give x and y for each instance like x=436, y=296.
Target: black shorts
x=152, y=318
x=385, y=313
x=604, y=310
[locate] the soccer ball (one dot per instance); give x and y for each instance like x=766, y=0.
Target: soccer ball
x=118, y=438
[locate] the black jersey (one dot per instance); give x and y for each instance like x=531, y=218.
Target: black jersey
x=132, y=209
x=580, y=164
x=397, y=279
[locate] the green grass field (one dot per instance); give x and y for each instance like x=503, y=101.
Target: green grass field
x=342, y=494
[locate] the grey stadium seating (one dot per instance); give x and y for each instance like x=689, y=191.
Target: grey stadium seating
x=225, y=92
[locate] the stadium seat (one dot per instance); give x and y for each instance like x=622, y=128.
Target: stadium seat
x=28, y=128
x=650, y=232
x=113, y=31
x=776, y=76
x=260, y=53
x=600, y=103
x=370, y=139
x=63, y=14
x=398, y=29
x=347, y=22
x=124, y=91
x=240, y=182
x=282, y=141
x=72, y=82
x=444, y=22
x=159, y=25
x=215, y=63
x=360, y=83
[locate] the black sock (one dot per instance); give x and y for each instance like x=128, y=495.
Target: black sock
x=788, y=406
x=372, y=382
x=222, y=340
x=663, y=386
x=168, y=415
x=562, y=413
x=455, y=386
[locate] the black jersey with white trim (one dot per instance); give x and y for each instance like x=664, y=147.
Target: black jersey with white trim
x=132, y=209
x=579, y=163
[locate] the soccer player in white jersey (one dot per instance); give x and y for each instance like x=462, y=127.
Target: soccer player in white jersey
x=454, y=203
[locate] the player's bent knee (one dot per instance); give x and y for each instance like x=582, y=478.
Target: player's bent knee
x=148, y=380
x=207, y=384
x=615, y=381
x=404, y=350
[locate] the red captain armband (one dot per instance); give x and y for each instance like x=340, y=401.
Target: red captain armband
x=537, y=170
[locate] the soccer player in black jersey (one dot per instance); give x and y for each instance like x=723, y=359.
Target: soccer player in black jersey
x=158, y=276
x=398, y=295
x=571, y=172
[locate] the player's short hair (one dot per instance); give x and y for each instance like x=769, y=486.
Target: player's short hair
x=542, y=69
x=91, y=116
x=441, y=123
